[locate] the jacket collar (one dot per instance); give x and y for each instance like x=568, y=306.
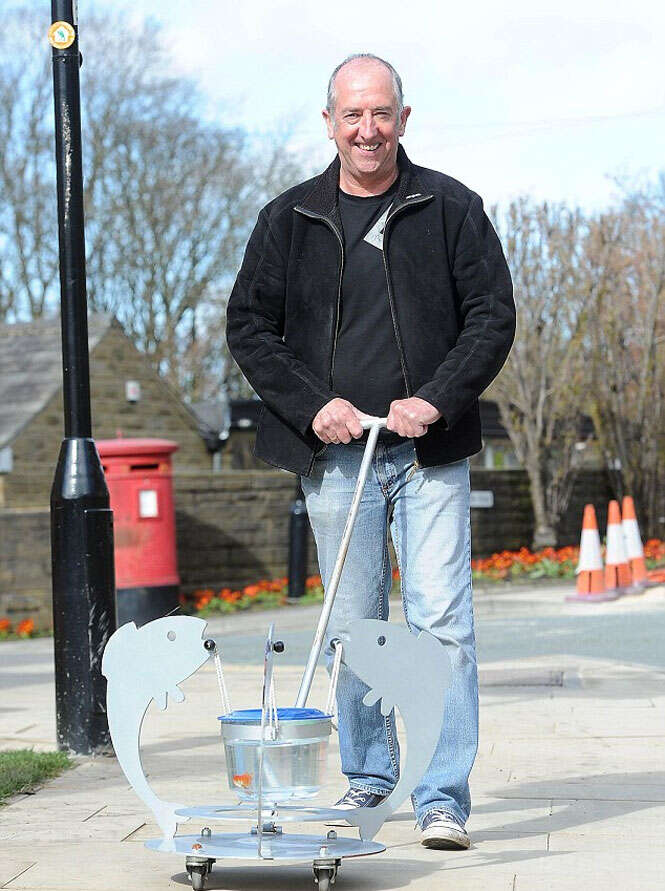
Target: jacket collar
x=322, y=200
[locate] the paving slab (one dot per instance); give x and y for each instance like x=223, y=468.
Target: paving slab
x=568, y=787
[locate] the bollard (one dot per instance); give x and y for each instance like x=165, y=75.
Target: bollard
x=298, y=528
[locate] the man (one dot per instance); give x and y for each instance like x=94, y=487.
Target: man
x=380, y=288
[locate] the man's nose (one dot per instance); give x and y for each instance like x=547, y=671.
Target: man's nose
x=367, y=126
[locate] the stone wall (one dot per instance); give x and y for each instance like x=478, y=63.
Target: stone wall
x=509, y=523
x=232, y=529
x=25, y=565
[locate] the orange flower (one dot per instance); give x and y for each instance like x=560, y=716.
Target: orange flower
x=654, y=549
x=203, y=597
x=5, y=625
x=252, y=590
x=313, y=581
x=25, y=628
x=395, y=573
x=205, y=594
x=230, y=596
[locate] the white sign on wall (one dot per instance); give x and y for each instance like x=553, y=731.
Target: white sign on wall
x=482, y=498
x=6, y=460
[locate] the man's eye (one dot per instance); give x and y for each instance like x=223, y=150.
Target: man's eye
x=351, y=117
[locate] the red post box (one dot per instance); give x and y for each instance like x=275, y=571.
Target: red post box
x=139, y=477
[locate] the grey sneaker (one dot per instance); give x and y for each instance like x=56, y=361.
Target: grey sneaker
x=442, y=831
x=352, y=799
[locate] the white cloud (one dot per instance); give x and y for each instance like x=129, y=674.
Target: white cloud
x=493, y=86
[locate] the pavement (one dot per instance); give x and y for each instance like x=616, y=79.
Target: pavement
x=568, y=788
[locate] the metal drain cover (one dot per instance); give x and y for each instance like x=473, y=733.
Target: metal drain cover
x=520, y=677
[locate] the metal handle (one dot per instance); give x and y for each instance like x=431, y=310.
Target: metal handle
x=373, y=425
x=370, y=421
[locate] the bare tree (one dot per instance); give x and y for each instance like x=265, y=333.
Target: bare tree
x=28, y=240
x=170, y=196
x=625, y=253
x=540, y=391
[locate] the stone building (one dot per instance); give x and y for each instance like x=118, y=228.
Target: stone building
x=31, y=409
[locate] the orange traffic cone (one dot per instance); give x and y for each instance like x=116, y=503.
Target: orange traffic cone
x=590, y=578
x=617, y=570
x=633, y=542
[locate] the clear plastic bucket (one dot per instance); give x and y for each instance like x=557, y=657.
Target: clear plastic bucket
x=293, y=763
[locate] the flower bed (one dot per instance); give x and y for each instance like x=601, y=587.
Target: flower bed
x=553, y=563
x=23, y=629
x=263, y=594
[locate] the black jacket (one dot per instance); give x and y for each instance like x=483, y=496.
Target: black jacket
x=450, y=299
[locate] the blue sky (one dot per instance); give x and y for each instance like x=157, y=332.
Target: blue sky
x=519, y=97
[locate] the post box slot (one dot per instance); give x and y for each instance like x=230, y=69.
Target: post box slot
x=144, y=466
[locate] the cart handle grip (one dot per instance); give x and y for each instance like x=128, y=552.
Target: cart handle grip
x=370, y=421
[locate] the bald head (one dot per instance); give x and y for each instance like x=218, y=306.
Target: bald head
x=359, y=60
x=366, y=118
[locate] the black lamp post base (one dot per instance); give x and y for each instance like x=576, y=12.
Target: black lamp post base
x=84, y=615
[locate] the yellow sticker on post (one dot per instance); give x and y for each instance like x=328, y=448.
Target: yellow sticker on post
x=61, y=35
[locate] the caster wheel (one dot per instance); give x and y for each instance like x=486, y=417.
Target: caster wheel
x=198, y=871
x=198, y=876
x=324, y=878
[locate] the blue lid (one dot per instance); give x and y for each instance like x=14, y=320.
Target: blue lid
x=245, y=715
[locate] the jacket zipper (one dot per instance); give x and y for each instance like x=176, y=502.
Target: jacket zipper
x=391, y=303
x=317, y=216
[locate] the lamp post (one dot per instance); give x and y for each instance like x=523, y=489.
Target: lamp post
x=84, y=613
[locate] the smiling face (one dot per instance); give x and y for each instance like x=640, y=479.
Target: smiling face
x=366, y=126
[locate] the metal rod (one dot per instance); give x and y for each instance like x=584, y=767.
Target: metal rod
x=373, y=425
x=334, y=677
x=268, y=658
x=223, y=692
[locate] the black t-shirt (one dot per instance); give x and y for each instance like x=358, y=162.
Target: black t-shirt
x=367, y=369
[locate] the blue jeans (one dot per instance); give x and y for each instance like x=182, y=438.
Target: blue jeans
x=431, y=532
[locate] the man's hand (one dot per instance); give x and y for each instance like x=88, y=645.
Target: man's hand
x=338, y=421
x=411, y=417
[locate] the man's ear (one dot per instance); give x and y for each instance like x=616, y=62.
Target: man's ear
x=406, y=111
x=330, y=123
